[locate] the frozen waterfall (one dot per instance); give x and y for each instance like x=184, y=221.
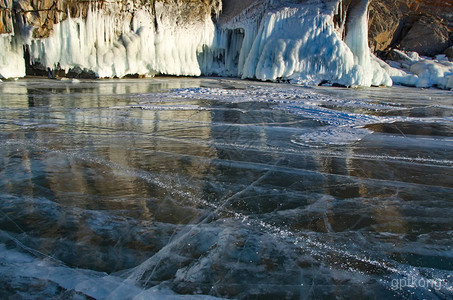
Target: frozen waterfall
x=113, y=47
x=299, y=42
x=12, y=64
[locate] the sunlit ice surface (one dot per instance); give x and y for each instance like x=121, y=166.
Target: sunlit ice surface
x=170, y=187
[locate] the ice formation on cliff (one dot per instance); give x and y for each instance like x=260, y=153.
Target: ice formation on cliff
x=112, y=47
x=271, y=40
x=299, y=42
x=12, y=62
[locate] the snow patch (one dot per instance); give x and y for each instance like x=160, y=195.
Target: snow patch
x=423, y=72
x=342, y=120
x=332, y=135
x=433, y=73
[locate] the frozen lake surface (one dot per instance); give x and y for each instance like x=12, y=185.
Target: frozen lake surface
x=171, y=187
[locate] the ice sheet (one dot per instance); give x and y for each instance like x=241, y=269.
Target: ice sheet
x=216, y=187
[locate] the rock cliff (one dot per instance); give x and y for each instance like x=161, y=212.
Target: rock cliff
x=424, y=26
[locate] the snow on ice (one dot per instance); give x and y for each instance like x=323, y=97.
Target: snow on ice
x=423, y=72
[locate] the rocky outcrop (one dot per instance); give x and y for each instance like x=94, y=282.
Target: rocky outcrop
x=43, y=14
x=449, y=52
x=424, y=26
x=232, y=8
x=6, y=24
x=428, y=36
x=385, y=22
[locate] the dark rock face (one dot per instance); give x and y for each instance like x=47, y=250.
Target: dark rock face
x=428, y=36
x=424, y=26
x=384, y=24
x=232, y=8
x=449, y=52
x=403, y=23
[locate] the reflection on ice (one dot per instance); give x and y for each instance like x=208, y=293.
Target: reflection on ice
x=223, y=188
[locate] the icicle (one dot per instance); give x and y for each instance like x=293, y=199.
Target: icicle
x=110, y=47
x=369, y=72
x=12, y=64
x=294, y=41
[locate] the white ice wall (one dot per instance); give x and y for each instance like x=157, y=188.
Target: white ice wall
x=271, y=40
x=12, y=64
x=113, y=47
x=299, y=42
